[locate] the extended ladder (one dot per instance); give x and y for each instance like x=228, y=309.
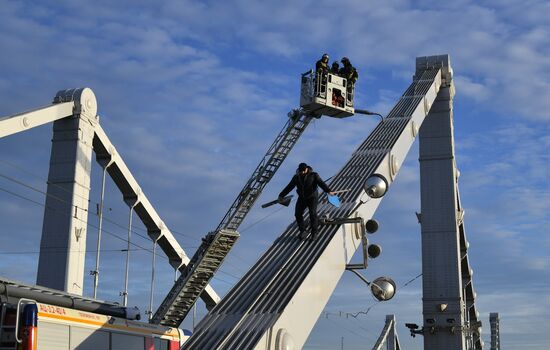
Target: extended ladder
x=217, y=244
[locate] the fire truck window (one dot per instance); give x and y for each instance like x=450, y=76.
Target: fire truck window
x=161, y=344
x=126, y=341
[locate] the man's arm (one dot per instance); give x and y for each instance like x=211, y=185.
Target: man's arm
x=355, y=76
x=322, y=184
x=288, y=187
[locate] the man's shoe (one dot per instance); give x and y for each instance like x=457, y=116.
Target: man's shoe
x=303, y=235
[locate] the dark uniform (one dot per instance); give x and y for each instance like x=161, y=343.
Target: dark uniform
x=306, y=187
x=335, y=68
x=348, y=71
x=321, y=66
x=321, y=70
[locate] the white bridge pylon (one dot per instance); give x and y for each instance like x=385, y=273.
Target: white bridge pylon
x=77, y=133
x=388, y=336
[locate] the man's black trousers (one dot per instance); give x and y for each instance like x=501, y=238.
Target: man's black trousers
x=301, y=205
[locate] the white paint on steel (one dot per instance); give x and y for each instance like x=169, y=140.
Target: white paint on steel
x=66, y=207
x=27, y=120
x=95, y=272
x=284, y=340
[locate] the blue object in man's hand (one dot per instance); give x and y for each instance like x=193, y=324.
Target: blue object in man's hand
x=334, y=200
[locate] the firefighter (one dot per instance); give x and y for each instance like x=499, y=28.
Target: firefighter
x=306, y=182
x=335, y=68
x=321, y=70
x=348, y=71
x=321, y=66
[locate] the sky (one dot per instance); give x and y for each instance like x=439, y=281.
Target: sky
x=192, y=94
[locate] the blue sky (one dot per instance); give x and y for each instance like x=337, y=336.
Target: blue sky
x=192, y=94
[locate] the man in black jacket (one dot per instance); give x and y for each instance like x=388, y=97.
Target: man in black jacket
x=306, y=182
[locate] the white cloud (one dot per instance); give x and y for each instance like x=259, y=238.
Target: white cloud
x=471, y=89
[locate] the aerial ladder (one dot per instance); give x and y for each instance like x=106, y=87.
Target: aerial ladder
x=321, y=94
x=277, y=303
